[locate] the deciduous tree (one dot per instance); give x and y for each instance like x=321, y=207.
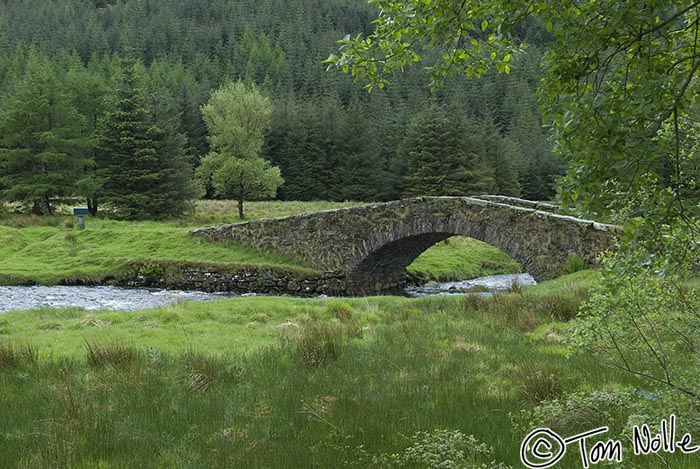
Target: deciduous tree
x=620, y=89
x=237, y=117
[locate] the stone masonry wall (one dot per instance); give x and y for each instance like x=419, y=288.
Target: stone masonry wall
x=371, y=245
x=227, y=278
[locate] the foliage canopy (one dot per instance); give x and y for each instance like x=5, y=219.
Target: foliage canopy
x=620, y=91
x=237, y=117
x=619, y=88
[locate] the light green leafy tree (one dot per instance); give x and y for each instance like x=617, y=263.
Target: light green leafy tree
x=237, y=117
x=620, y=90
x=615, y=77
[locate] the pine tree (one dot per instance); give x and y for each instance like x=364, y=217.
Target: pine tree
x=500, y=154
x=43, y=145
x=437, y=159
x=145, y=174
x=294, y=145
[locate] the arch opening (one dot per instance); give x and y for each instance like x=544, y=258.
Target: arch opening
x=386, y=269
x=460, y=258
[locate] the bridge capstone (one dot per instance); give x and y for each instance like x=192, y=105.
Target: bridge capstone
x=371, y=245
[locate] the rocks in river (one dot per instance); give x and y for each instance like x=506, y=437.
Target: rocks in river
x=480, y=285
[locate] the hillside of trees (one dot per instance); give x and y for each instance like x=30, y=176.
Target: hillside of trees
x=64, y=67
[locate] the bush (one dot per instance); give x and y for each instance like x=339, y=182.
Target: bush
x=580, y=411
x=13, y=355
x=574, y=263
x=440, y=449
x=317, y=344
x=647, y=325
x=110, y=354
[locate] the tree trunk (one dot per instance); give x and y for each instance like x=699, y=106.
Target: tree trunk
x=41, y=206
x=240, y=206
x=92, y=205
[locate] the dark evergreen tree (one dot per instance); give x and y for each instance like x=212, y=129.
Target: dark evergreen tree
x=499, y=153
x=341, y=144
x=437, y=160
x=145, y=174
x=293, y=145
x=44, y=146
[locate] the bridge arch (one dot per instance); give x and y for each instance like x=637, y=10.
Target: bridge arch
x=371, y=245
x=382, y=266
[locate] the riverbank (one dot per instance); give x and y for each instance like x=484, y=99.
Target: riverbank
x=49, y=250
x=289, y=382
x=237, y=325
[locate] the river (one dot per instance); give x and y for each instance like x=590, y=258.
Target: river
x=477, y=286
x=94, y=298
x=127, y=299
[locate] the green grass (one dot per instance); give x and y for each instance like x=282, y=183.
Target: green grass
x=226, y=211
x=45, y=250
x=47, y=254
x=460, y=258
x=273, y=381
x=283, y=382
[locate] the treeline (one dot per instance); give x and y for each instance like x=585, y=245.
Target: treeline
x=331, y=139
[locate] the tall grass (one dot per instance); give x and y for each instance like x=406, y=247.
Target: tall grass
x=425, y=376
x=12, y=355
x=110, y=354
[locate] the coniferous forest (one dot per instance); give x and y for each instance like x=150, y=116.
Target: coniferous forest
x=101, y=99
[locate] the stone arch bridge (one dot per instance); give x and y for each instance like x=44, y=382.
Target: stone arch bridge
x=370, y=246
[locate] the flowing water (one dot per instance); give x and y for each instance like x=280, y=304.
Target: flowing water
x=128, y=299
x=93, y=298
x=477, y=286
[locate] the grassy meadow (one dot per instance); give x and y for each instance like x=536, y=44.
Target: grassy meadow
x=279, y=382
x=47, y=249
x=285, y=382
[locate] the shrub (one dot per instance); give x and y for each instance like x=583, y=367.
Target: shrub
x=12, y=355
x=574, y=263
x=110, y=354
x=580, y=411
x=441, y=449
x=317, y=344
